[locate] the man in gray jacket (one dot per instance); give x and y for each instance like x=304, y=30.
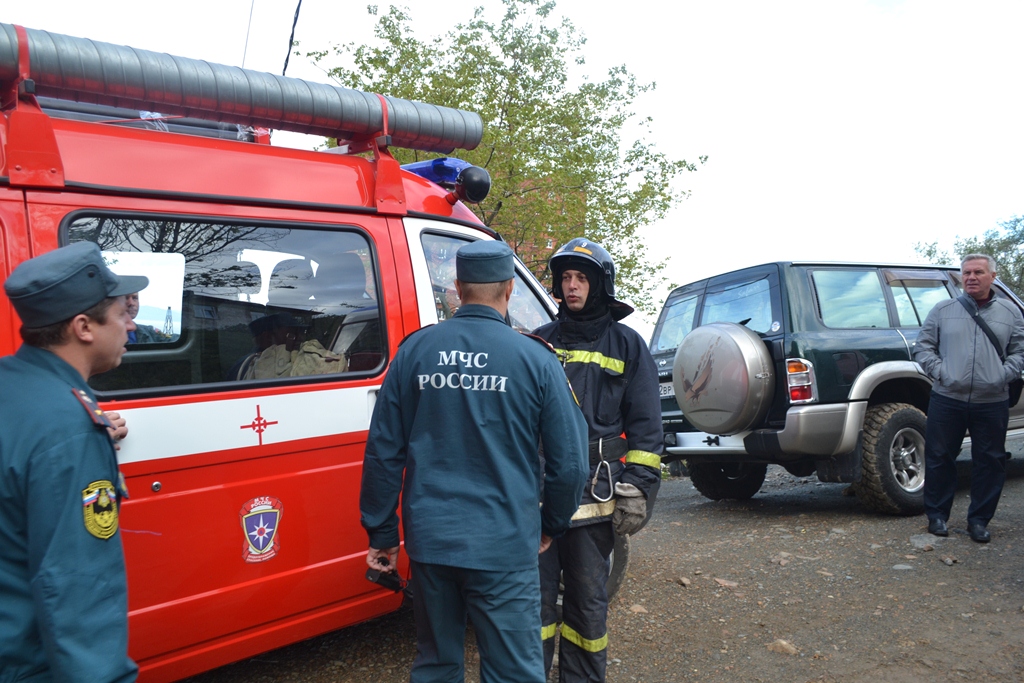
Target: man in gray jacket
x=969, y=393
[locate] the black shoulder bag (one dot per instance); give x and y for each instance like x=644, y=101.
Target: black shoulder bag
x=1016, y=384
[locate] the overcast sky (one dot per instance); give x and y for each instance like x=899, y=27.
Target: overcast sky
x=833, y=130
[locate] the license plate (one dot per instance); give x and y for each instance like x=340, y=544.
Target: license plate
x=667, y=390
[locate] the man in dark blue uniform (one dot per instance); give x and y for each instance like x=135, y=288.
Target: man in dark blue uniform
x=461, y=413
x=615, y=380
x=64, y=611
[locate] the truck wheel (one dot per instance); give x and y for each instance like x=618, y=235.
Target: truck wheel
x=735, y=480
x=892, y=459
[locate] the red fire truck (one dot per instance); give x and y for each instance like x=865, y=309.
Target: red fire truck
x=282, y=281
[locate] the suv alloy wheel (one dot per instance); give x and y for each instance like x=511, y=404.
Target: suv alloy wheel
x=892, y=459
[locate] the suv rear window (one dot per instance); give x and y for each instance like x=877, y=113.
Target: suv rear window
x=850, y=298
x=676, y=322
x=240, y=302
x=747, y=303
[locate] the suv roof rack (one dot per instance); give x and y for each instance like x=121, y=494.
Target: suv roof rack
x=62, y=67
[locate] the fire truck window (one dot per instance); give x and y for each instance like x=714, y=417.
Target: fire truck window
x=246, y=303
x=525, y=310
x=156, y=310
x=440, y=252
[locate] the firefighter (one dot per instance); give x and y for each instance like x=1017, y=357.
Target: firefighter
x=615, y=381
x=455, y=432
x=64, y=612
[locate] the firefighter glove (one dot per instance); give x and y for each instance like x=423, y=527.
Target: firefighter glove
x=630, y=509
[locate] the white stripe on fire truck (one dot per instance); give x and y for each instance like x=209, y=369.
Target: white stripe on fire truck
x=182, y=429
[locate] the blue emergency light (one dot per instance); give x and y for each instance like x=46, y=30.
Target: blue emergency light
x=470, y=183
x=443, y=171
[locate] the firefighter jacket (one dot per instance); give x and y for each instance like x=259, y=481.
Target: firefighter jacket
x=461, y=412
x=64, y=610
x=616, y=383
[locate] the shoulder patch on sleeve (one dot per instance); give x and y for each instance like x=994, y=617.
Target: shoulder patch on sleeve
x=99, y=509
x=406, y=337
x=543, y=341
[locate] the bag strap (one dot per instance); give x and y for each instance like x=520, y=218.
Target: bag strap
x=976, y=315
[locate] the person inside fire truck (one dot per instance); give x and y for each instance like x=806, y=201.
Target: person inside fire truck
x=282, y=350
x=64, y=612
x=615, y=380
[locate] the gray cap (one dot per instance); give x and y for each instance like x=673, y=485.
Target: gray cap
x=484, y=261
x=62, y=283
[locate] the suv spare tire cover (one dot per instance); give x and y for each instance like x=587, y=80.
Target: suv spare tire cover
x=723, y=378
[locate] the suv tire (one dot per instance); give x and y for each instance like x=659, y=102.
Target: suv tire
x=735, y=480
x=892, y=459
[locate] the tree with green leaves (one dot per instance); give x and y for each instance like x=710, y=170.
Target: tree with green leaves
x=555, y=152
x=1005, y=244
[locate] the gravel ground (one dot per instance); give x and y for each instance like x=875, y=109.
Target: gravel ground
x=798, y=584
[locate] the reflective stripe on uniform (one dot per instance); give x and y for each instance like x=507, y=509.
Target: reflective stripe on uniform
x=644, y=458
x=592, y=510
x=584, y=643
x=548, y=632
x=606, y=362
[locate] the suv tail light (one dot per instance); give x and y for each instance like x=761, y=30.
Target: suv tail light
x=800, y=381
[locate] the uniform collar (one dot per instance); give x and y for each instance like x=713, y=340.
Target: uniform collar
x=54, y=364
x=582, y=331
x=479, y=311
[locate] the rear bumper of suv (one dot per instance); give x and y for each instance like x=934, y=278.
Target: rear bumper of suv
x=811, y=430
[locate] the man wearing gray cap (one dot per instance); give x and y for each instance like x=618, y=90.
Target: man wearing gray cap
x=64, y=612
x=460, y=415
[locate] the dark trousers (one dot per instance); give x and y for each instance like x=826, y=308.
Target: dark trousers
x=948, y=421
x=580, y=560
x=505, y=610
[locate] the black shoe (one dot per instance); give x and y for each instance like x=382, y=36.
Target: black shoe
x=979, y=533
x=937, y=527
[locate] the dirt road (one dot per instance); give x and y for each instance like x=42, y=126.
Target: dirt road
x=802, y=584
x=798, y=584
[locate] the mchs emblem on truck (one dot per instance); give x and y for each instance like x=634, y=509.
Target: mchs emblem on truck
x=260, y=519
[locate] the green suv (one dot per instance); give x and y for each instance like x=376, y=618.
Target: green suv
x=804, y=365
